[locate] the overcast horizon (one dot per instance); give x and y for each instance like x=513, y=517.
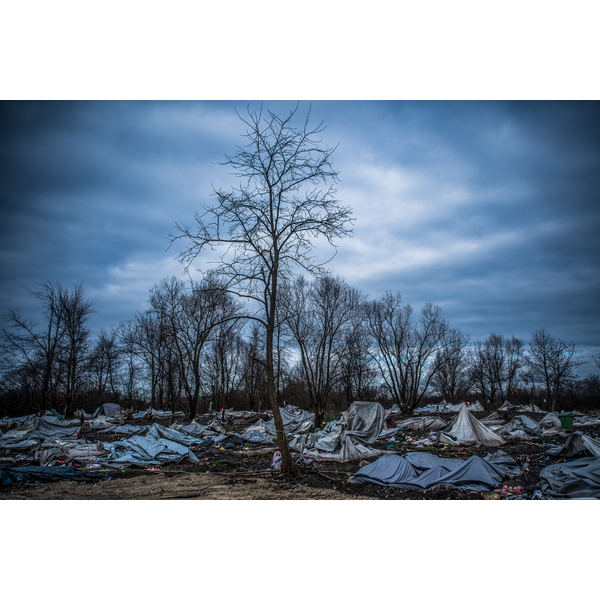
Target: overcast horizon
x=489, y=209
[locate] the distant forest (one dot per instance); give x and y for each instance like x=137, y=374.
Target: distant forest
x=197, y=348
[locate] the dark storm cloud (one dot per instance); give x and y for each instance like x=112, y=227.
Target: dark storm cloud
x=489, y=209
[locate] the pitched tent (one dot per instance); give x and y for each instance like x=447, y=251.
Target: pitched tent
x=467, y=430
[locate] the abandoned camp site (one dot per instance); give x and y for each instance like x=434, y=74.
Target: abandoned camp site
x=443, y=451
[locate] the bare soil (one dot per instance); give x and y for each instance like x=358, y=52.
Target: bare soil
x=244, y=474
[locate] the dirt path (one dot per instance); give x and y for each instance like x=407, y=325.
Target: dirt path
x=194, y=486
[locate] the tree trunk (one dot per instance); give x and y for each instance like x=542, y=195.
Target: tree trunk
x=286, y=457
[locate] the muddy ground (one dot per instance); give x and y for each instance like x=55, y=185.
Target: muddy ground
x=245, y=474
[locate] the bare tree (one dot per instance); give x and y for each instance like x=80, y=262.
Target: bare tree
x=552, y=363
x=254, y=373
x=75, y=354
x=105, y=361
x=265, y=225
x=360, y=377
x=319, y=317
x=495, y=367
x=57, y=352
x=451, y=370
x=144, y=337
x=223, y=363
x=403, y=348
x=190, y=319
x=37, y=349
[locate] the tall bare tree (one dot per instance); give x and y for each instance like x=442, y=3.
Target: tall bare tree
x=265, y=225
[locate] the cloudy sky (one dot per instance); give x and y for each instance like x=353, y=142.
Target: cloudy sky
x=489, y=209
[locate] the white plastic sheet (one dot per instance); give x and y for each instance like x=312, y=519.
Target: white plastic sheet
x=467, y=430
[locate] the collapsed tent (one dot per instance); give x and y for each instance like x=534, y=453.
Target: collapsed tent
x=9, y=475
x=506, y=406
x=39, y=428
x=295, y=420
x=448, y=407
x=575, y=479
x=145, y=451
x=415, y=424
x=69, y=452
x=347, y=438
x=575, y=444
x=520, y=427
x=420, y=470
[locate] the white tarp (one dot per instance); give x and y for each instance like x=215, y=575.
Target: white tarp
x=467, y=430
x=448, y=407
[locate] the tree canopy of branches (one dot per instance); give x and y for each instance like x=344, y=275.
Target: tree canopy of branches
x=552, y=363
x=322, y=318
x=403, y=346
x=55, y=354
x=495, y=367
x=265, y=226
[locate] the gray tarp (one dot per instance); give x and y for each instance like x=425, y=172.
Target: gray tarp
x=145, y=451
x=295, y=420
x=9, y=475
x=521, y=427
x=41, y=428
x=71, y=452
x=415, y=424
x=328, y=439
x=254, y=437
x=419, y=470
x=575, y=479
x=363, y=422
x=577, y=442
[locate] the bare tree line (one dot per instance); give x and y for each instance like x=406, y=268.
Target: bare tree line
x=192, y=349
